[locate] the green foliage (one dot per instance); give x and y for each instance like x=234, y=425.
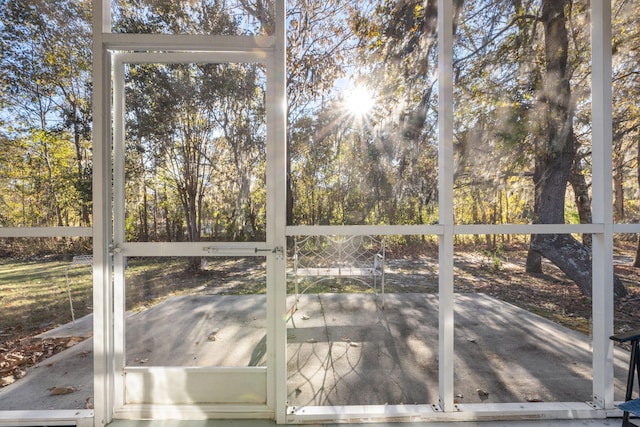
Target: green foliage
x=571, y=215
x=495, y=255
x=199, y=129
x=195, y=165
x=169, y=17
x=45, y=64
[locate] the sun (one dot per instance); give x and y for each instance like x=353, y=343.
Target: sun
x=359, y=101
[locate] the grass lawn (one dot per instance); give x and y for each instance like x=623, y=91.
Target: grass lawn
x=34, y=298
x=33, y=294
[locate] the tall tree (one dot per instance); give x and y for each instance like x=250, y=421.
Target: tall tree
x=318, y=47
x=194, y=121
x=626, y=113
x=45, y=68
x=556, y=152
x=239, y=112
x=200, y=125
x=398, y=51
x=516, y=105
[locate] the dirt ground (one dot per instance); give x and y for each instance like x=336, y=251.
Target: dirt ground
x=498, y=274
x=501, y=274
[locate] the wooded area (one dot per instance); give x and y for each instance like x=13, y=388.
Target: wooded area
x=196, y=133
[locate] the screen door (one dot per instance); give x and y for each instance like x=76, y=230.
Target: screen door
x=194, y=250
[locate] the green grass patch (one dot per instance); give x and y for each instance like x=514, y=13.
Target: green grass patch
x=33, y=295
x=34, y=298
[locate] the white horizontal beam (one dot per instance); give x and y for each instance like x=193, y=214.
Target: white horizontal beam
x=528, y=229
x=189, y=57
x=46, y=232
x=437, y=229
x=186, y=42
x=431, y=413
x=58, y=417
x=361, y=230
x=193, y=412
x=359, y=413
x=320, y=230
x=626, y=228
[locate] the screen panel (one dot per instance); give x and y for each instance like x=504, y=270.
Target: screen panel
x=180, y=316
x=46, y=350
x=195, y=152
x=351, y=329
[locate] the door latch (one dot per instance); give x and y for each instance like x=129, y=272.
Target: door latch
x=278, y=251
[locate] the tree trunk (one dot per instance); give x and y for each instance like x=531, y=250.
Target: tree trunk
x=581, y=197
x=618, y=188
x=556, y=152
x=636, y=261
x=289, y=200
x=534, y=260
x=555, y=248
x=144, y=217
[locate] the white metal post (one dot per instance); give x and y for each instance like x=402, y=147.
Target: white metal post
x=276, y=164
x=602, y=280
x=118, y=293
x=445, y=203
x=102, y=307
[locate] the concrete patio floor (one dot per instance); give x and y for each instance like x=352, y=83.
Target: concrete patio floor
x=343, y=349
x=348, y=351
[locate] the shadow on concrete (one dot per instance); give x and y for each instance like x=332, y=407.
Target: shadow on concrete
x=342, y=349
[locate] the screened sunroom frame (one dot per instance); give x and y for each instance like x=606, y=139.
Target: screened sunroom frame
x=602, y=229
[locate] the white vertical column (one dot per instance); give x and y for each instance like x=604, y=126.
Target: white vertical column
x=445, y=203
x=602, y=281
x=276, y=207
x=102, y=303
x=118, y=292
